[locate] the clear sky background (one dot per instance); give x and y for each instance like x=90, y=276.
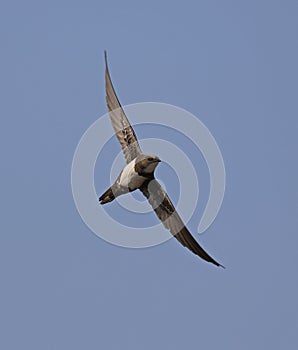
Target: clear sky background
x=234, y=64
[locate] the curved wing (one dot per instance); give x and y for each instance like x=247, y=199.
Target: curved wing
x=121, y=125
x=166, y=212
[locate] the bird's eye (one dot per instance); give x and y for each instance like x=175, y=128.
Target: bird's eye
x=150, y=158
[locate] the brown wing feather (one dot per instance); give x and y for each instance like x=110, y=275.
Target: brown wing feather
x=121, y=125
x=166, y=212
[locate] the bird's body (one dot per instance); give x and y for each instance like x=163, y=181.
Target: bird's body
x=139, y=174
x=132, y=177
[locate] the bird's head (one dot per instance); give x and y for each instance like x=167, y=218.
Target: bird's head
x=146, y=163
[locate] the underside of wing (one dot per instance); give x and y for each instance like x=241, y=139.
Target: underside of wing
x=121, y=125
x=166, y=212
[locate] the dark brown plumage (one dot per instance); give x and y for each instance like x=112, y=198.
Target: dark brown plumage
x=171, y=220
x=141, y=168
x=121, y=125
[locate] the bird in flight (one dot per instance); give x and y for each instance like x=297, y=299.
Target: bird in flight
x=139, y=174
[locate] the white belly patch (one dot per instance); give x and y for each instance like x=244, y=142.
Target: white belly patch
x=130, y=178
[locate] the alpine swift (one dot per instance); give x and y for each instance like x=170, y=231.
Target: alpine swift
x=139, y=174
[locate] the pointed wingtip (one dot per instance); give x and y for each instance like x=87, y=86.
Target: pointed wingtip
x=217, y=264
x=106, y=58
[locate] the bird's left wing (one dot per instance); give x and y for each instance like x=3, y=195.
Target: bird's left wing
x=121, y=125
x=166, y=212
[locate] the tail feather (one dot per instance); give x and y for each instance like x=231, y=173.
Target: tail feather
x=107, y=197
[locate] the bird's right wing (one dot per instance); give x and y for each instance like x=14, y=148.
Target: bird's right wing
x=121, y=125
x=166, y=212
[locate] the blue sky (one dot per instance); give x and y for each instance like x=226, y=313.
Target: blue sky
x=233, y=64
